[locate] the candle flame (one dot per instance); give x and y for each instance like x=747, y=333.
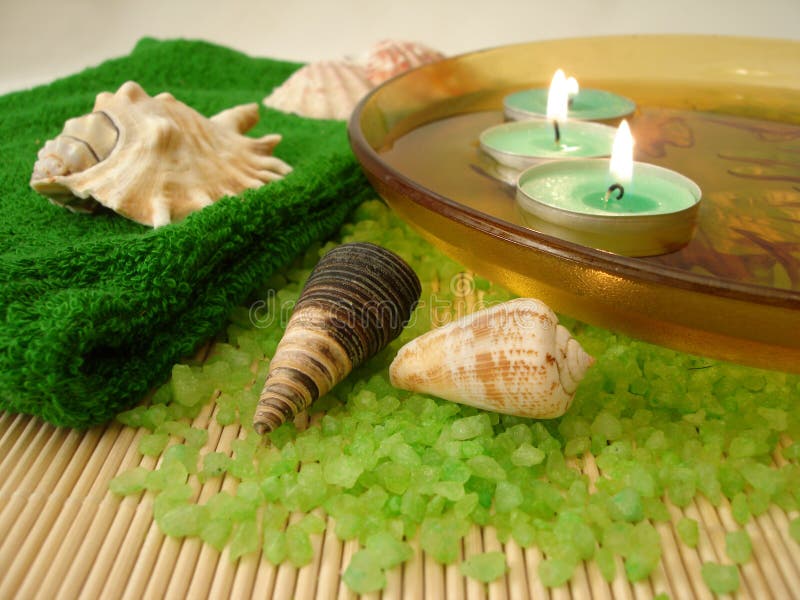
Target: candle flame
x=621, y=167
x=572, y=87
x=558, y=98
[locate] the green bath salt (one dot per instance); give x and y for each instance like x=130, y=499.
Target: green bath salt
x=392, y=469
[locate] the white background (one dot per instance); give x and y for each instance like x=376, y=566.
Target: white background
x=44, y=39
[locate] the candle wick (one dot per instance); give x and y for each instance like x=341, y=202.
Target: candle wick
x=557, y=131
x=615, y=188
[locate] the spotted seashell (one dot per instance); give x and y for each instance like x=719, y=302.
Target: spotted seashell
x=357, y=300
x=322, y=90
x=512, y=358
x=392, y=57
x=154, y=159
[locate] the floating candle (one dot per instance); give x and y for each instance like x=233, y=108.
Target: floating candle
x=521, y=144
x=584, y=104
x=635, y=209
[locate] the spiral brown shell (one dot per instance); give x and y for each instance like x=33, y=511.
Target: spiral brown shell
x=357, y=300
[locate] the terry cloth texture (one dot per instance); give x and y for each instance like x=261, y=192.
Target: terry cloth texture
x=96, y=308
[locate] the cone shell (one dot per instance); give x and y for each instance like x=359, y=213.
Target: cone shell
x=392, y=57
x=154, y=159
x=322, y=90
x=357, y=300
x=512, y=358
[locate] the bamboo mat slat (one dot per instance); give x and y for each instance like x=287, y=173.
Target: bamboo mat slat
x=64, y=535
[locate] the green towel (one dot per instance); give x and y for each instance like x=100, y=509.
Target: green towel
x=96, y=308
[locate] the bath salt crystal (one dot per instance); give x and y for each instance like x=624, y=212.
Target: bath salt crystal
x=743, y=446
x=554, y=572
x=405, y=455
x=171, y=498
x=604, y=558
x=627, y=505
x=688, y=531
x=312, y=524
x=485, y=567
x=183, y=520
x=441, y=537
x=740, y=508
x=186, y=455
x=187, y=388
x=216, y=532
x=777, y=419
x=275, y=547
x=738, y=546
x=758, y=500
x=527, y=455
x=451, y=490
x=389, y=550
x=167, y=476
x=129, y=482
x=153, y=444
x=730, y=480
x=394, y=477
x=250, y=493
x=154, y=416
x=486, y=467
x=471, y=427
x=577, y=446
x=364, y=574
x=224, y=506
x=720, y=579
x=455, y=470
x=214, y=465
x=508, y=496
x=246, y=539
x=638, y=566
x=607, y=426
x=298, y=546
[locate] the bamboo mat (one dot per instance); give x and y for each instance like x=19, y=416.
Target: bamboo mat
x=64, y=535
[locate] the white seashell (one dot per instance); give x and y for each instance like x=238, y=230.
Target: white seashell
x=391, y=57
x=322, y=90
x=512, y=358
x=154, y=159
x=330, y=89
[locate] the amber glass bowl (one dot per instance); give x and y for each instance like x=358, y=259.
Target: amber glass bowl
x=723, y=111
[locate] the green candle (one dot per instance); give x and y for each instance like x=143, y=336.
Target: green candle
x=523, y=143
x=654, y=213
x=582, y=188
x=587, y=105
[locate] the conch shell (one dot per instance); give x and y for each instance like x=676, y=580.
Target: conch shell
x=330, y=89
x=154, y=159
x=512, y=358
x=357, y=300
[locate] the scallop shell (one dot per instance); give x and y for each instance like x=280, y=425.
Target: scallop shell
x=357, y=300
x=322, y=90
x=330, y=89
x=154, y=159
x=512, y=358
x=391, y=57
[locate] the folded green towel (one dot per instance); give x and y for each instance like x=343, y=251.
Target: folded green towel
x=96, y=309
